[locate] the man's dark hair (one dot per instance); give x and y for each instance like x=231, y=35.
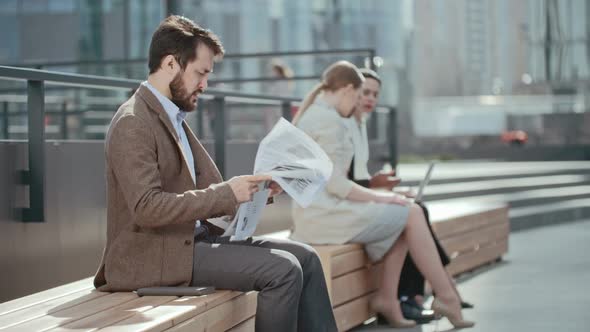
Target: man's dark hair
x=368, y=73
x=180, y=36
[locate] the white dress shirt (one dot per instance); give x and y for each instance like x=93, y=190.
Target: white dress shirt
x=176, y=116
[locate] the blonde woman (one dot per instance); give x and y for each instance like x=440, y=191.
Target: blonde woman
x=344, y=212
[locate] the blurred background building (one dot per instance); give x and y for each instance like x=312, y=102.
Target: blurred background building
x=466, y=70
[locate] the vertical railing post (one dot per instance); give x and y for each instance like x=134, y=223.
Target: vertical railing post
x=64, y=120
x=35, y=176
x=392, y=132
x=5, y=120
x=286, y=110
x=372, y=59
x=372, y=123
x=218, y=106
x=372, y=126
x=126, y=37
x=172, y=7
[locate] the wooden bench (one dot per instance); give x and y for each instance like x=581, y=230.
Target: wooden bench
x=473, y=235
x=79, y=307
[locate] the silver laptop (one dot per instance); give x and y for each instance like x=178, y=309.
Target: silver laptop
x=424, y=182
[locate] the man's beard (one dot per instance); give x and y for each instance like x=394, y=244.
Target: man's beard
x=180, y=96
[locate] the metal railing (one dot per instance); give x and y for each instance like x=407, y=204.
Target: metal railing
x=367, y=52
x=36, y=80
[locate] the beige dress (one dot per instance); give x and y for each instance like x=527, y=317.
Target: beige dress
x=331, y=218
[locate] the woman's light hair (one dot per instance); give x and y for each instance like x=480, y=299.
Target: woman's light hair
x=336, y=76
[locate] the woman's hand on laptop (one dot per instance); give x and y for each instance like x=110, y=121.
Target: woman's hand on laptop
x=401, y=200
x=406, y=191
x=393, y=198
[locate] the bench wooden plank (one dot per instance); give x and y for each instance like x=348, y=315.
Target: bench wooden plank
x=352, y=285
x=468, y=242
x=44, y=296
x=443, y=211
x=465, y=224
x=48, y=307
x=337, y=249
x=326, y=261
x=477, y=258
x=353, y=313
x=349, y=261
x=61, y=317
x=326, y=254
x=221, y=317
x=172, y=313
x=115, y=314
x=355, y=284
x=247, y=326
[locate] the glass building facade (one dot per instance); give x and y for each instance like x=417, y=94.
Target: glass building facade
x=429, y=49
x=69, y=35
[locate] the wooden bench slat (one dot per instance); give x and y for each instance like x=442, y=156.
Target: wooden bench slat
x=468, y=242
x=443, y=211
x=165, y=316
x=61, y=317
x=326, y=253
x=332, y=249
x=349, y=261
x=47, y=307
x=353, y=313
x=464, y=224
x=337, y=249
x=222, y=317
x=477, y=258
x=246, y=326
x=355, y=284
x=115, y=314
x=47, y=295
x=468, y=223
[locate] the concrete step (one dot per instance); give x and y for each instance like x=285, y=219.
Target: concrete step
x=529, y=197
x=534, y=208
x=438, y=180
x=453, y=172
x=512, y=185
x=547, y=196
x=549, y=214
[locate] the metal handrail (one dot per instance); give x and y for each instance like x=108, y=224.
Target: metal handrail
x=112, y=83
x=369, y=52
x=34, y=177
x=36, y=64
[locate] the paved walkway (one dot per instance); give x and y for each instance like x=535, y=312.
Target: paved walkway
x=542, y=285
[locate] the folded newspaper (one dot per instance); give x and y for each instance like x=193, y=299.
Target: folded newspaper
x=294, y=161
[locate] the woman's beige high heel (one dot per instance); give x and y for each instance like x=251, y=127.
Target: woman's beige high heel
x=398, y=324
x=442, y=309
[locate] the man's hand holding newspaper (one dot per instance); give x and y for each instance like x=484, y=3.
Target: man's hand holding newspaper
x=245, y=186
x=294, y=162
